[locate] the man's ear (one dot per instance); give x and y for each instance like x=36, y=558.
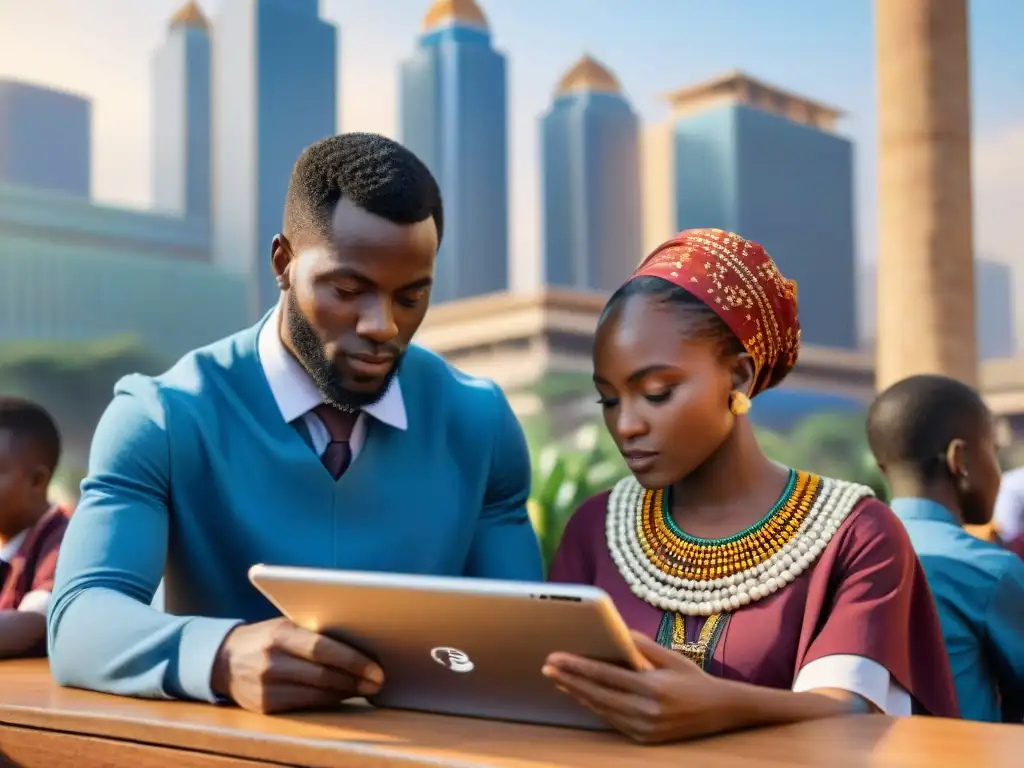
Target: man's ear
x=281, y=258
x=956, y=459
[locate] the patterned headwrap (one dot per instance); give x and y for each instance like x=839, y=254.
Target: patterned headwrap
x=740, y=282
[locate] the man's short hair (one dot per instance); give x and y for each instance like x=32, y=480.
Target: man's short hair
x=912, y=423
x=32, y=426
x=373, y=172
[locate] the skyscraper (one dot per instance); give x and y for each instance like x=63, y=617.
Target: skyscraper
x=591, y=182
x=763, y=162
x=275, y=93
x=993, y=308
x=453, y=115
x=181, y=116
x=45, y=138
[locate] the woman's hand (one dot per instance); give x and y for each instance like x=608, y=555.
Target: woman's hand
x=674, y=700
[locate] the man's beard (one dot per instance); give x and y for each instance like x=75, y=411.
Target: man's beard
x=310, y=352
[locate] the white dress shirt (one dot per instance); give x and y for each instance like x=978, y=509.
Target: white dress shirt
x=296, y=394
x=38, y=600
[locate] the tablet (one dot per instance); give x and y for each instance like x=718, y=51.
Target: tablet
x=459, y=646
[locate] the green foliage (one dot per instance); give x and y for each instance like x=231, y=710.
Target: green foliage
x=74, y=381
x=567, y=471
x=828, y=444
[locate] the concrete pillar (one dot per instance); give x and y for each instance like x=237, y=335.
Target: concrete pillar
x=926, y=320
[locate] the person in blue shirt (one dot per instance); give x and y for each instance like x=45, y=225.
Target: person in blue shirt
x=320, y=437
x=934, y=439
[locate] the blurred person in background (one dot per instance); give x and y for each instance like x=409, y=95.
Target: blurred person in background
x=1009, y=514
x=320, y=437
x=934, y=439
x=759, y=594
x=32, y=525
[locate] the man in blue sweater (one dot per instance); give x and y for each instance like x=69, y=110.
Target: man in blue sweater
x=934, y=439
x=320, y=437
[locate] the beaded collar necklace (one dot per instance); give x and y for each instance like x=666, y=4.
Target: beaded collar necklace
x=686, y=575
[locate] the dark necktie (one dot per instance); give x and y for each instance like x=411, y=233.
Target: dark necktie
x=339, y=424
x=5, y=570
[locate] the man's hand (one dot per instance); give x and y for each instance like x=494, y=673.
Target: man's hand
x=275, y=666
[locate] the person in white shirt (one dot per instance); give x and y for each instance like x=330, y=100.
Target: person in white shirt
x=1009, y=515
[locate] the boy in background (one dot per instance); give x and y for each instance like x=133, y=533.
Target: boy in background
x=31, y=527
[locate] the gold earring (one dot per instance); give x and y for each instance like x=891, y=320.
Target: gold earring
x=739, y=403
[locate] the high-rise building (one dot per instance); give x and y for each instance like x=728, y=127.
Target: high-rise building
x=274, y=94
x=453, y=115
x=765, y=163
x=590, y=182
x=993, y=307
x=181, y=116
x=45, y=138
x=75, y=271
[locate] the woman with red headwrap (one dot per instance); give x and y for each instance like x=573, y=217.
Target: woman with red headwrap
x=759, y=594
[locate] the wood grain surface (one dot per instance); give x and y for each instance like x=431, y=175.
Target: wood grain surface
x=45, y=726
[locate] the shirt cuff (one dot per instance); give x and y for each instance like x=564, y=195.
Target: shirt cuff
x=36, y=601
x=858, y=675
x=201, y=639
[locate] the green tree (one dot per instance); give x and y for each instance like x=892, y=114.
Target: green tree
x=74, y=381
x=836, y=445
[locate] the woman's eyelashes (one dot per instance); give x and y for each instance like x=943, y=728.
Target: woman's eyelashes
x=651, y=397
x=658, y=397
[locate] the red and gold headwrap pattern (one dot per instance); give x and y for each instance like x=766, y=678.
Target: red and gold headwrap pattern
x=740, y=282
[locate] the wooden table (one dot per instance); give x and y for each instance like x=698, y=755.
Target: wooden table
x=45, y=726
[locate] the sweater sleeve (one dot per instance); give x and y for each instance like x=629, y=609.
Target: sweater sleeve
x=504, y=544
x=103, y=634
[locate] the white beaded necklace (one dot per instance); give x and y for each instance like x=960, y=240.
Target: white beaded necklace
x=834, y=502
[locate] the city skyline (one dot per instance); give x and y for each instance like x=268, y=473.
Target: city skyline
x=647, y=53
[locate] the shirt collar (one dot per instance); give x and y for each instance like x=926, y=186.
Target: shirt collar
x=907, y=508
x=294, y=390
x=10, y=549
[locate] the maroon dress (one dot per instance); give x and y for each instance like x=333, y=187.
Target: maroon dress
x=865, y=595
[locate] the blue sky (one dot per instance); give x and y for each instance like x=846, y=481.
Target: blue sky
x=820, y=48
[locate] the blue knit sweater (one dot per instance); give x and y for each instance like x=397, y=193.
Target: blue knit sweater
x=194, y=476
